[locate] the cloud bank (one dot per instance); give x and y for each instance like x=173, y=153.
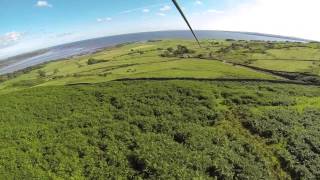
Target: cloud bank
x=297, y=18
x=9, y=39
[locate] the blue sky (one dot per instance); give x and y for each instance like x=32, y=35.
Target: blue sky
x=33, y=24
x=56, y=15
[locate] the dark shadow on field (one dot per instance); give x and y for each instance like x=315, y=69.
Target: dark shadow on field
x=220, y=80
x=279, y=59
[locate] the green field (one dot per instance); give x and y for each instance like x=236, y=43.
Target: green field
x=130, y=61
x=166, y=110
x=143, y=60
x=286, y=65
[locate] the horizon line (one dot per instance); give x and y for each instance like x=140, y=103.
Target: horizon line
x=139, y=32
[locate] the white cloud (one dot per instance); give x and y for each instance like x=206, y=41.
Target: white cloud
x=43, y=4
x=9, y=39
x=214, y=11
x=146, y=10
x=165, y=8
x=282, y=17
x=161, y=14
x=64, y=34
x=198, y=2
x=104, y=19
x=14, y=36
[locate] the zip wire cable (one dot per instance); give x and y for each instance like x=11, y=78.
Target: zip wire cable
x=186, y=20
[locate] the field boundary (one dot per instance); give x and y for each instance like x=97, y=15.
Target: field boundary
x=217, y=80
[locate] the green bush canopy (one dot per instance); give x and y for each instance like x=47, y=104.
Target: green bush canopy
x=161, y=130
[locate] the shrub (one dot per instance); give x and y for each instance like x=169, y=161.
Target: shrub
x=92, y=61
x=56, y=71
x=160, y=130
x=42, y=73
x=181, y=51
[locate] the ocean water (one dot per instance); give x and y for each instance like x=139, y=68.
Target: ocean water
x=92, y=45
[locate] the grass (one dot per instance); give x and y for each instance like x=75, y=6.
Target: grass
x=175, y=68
x=127, y=62
x=286, y=65
x=307, y=102
x=143, y=59
x=296, y=53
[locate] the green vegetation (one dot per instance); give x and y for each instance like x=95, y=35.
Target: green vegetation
x=287, y=65
x=160, y=130
x=166, y=110
x=179, y=58
x=181, y=51
x=92, y=61
x=42, y=73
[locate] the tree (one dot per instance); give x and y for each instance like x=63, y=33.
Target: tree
x=170, y=49
x=92, y=61
x=166, y=54
x=42, y=73
x=56, y=71
x=181, y=50
x=211, y=54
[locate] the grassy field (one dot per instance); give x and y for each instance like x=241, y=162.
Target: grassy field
x=287, y=65
x=130, y=61
x=144, y=60
x=296, y=53
x=175, y=111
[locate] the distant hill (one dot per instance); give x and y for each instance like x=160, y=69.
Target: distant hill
x=21, y=57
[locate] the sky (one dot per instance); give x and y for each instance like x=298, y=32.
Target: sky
x=27, y=25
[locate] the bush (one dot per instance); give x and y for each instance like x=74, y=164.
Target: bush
x=56, y=71
x=92, y=61
x=170, y=49
x=159, y=130
x=42, y=73
x=181, y=51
